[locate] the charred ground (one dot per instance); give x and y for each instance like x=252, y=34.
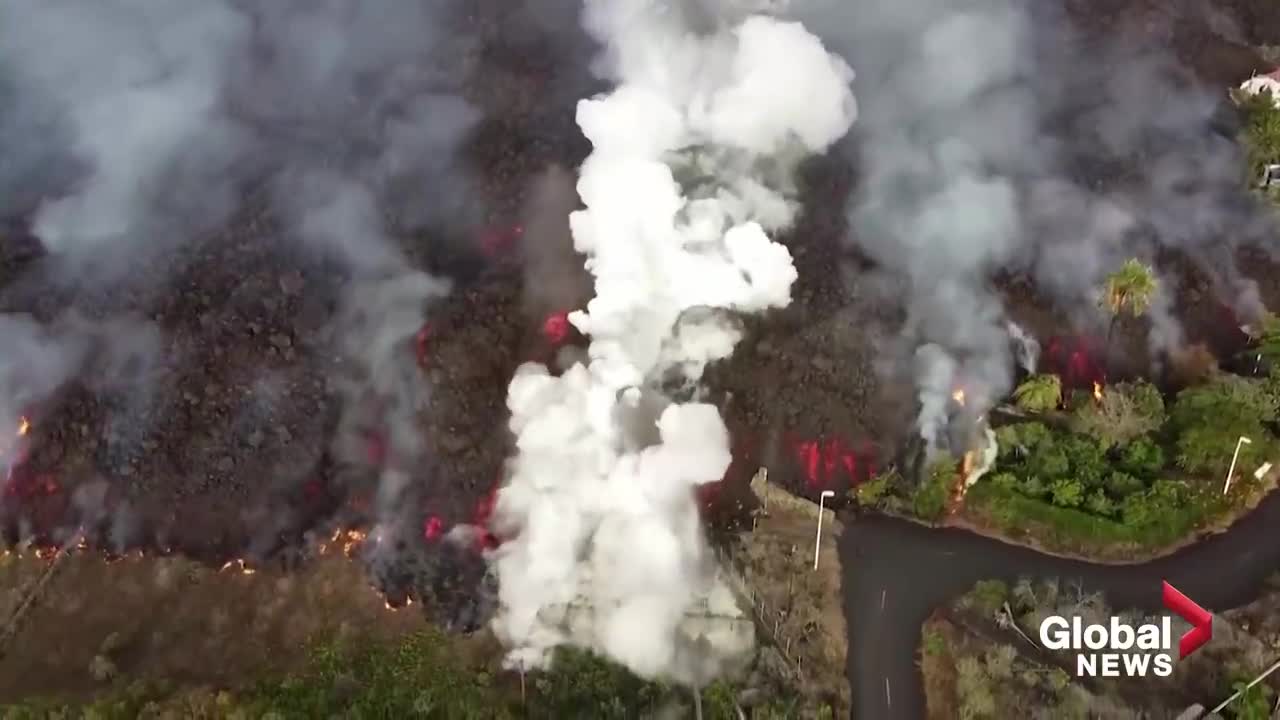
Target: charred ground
x=226, y=448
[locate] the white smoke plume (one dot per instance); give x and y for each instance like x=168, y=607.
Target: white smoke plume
x=691, y=157
x=995, y=138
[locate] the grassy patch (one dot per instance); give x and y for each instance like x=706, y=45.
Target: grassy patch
x=420, y=677
x=937, y=667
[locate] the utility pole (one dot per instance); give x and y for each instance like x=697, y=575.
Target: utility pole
x=1235, y=456
x=817, y=542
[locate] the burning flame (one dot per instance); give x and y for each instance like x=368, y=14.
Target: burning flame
x=1097, y=391
x=349, y=539
x=240, y=563
x=958, y=396
x=24, y=426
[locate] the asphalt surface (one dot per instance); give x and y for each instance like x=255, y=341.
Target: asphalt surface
x=896, y=573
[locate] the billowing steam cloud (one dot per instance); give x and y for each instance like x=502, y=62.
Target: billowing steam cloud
x=994, y=139
x=693, y=153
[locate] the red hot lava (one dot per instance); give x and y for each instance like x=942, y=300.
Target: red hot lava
x=556, y=327
x=1072, y=359
x=830, y=463
x=486, y=540
x=496, y=242
x=432, y=528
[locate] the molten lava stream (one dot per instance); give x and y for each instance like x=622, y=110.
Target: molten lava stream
x=831, y=463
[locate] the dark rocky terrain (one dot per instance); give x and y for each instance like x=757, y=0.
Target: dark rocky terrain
x=226, y=446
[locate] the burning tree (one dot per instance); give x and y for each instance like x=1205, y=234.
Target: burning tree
x=1128, y=290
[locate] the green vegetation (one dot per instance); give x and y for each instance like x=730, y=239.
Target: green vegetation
x=1125, y=412
x=1269, y=339
x=1261, y=120
x=1040, y=393
x=419, y=678
x=987, y=596
x=1123, y=472
x=1254, y=703
x=926, y=500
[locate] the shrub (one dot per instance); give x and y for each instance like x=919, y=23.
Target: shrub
x=1005, y=480
x=930, y=499
x=988, y=596
x=1142, y=458
x=1020, y=439
x=1087, y=459
x=875, y=491
x=1122, y=484
x=1067, y=493
x=1099, y=504
x=1048, y=460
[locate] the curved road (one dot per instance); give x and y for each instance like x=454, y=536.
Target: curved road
x=896, y=573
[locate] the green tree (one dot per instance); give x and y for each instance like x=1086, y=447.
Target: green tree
x=1048, y=460
x=1005, y=481
x=1142, y=458
x=1209, y=419
x=1067, y=493
x=1099, y=504
x=1136, y=510
x=1039, y=393
x=1128, y=290
x=1033, y=487
x=1087, y=459
x=1122, y=485
x=930, y=499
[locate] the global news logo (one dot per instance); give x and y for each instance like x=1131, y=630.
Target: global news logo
x=1107, y=650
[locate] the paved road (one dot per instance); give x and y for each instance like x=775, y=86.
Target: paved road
x=896, y=573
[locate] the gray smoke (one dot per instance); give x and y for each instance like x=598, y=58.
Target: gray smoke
x=131, y=130
x=995, y=138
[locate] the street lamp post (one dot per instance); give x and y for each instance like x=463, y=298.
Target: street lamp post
x=817, y=542
x=1231, y=470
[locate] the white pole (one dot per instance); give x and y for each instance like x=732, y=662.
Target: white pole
x=817, y=542
x=1231, y=470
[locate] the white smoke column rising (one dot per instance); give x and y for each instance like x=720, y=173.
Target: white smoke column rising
x=593, y=518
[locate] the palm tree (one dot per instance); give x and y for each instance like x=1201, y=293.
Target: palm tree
x=1040, y=393
x=1128, y=290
